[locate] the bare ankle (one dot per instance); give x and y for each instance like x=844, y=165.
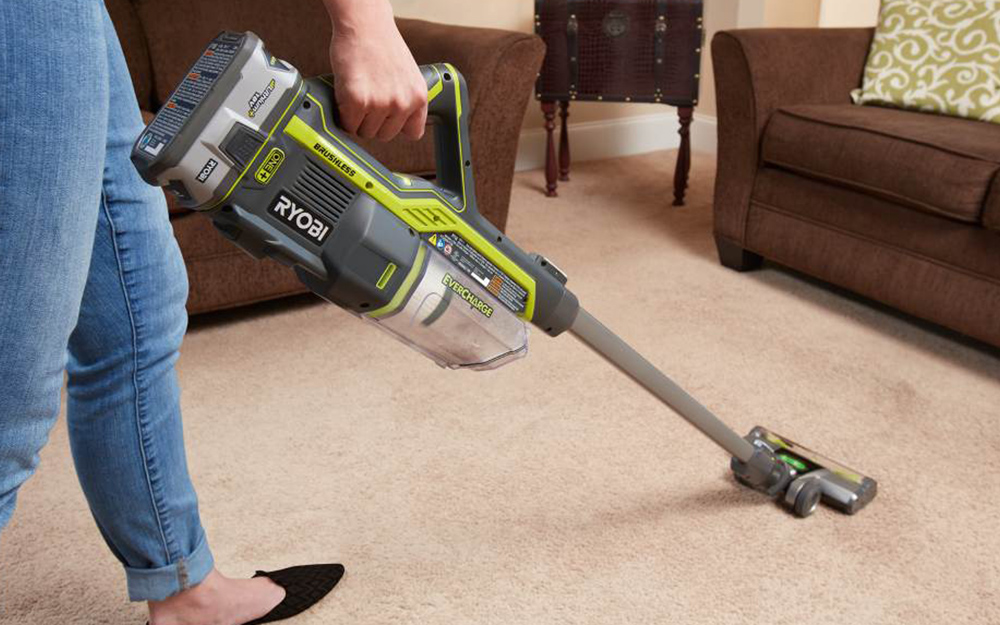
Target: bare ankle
x=217, y=601
x=197, y=600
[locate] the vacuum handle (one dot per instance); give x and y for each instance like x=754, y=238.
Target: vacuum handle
x=448, y=108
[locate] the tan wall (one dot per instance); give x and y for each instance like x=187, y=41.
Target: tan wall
x=792, y=13
x=508, y=14
x=518, y=15
x=849, y=13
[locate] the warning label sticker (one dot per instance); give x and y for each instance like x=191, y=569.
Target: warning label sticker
x=480, y=269
x=189, y=94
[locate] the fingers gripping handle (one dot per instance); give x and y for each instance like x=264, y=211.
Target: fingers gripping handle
x=448, y=108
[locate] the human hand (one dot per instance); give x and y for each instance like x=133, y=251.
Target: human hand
x=379, y=88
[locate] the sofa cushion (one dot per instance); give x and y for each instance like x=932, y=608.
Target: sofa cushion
x=938, y=164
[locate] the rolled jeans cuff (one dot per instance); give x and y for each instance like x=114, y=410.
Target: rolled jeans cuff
x=167, y=581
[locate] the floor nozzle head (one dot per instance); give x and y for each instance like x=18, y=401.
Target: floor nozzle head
x=801, y=477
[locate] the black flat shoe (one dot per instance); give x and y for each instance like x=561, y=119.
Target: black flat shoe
x=304, y=587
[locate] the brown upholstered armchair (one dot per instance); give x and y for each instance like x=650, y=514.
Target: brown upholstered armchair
x=898, y=206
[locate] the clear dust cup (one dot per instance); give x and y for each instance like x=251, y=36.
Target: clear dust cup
x=452, y=319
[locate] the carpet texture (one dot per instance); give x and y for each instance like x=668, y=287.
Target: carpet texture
x=553, y=490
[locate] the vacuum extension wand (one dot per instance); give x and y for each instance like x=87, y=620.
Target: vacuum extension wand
x=612, y=348
x=755, y=466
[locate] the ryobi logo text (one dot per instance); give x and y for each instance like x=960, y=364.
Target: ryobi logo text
x=295, y=214
x=207, y=170
x=467, y=295
x=258, y=99
x=334, y=160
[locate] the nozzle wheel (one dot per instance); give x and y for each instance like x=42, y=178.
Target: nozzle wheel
x=807, y=499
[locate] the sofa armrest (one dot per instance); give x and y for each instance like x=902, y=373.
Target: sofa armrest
x=500, y=68
x=759, y=71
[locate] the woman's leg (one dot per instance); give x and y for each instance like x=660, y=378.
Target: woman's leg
x=123, y=409
x=53, y=116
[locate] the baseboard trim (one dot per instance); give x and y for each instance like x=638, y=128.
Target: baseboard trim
x=619, y=137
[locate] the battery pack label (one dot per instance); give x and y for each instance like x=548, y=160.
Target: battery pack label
x=482, y=270
x=190, y=93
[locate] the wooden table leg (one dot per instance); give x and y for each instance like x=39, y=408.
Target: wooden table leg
x=564, y=141
x=683, y=168
x=551, y=167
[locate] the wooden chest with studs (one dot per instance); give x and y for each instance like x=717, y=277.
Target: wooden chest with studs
x=621, y=50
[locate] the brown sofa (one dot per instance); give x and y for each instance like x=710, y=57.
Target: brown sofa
x=898, y=206
x=161, y=38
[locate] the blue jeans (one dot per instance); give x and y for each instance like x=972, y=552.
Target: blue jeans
x=92, y=284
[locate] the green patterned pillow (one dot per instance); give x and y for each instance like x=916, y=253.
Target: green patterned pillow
x=939, y=56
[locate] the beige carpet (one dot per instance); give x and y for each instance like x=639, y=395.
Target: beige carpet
x=553, y=491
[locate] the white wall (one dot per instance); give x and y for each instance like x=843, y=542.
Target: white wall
x=843, y=13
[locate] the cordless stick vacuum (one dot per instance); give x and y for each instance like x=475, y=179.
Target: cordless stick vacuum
x=250, y=143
